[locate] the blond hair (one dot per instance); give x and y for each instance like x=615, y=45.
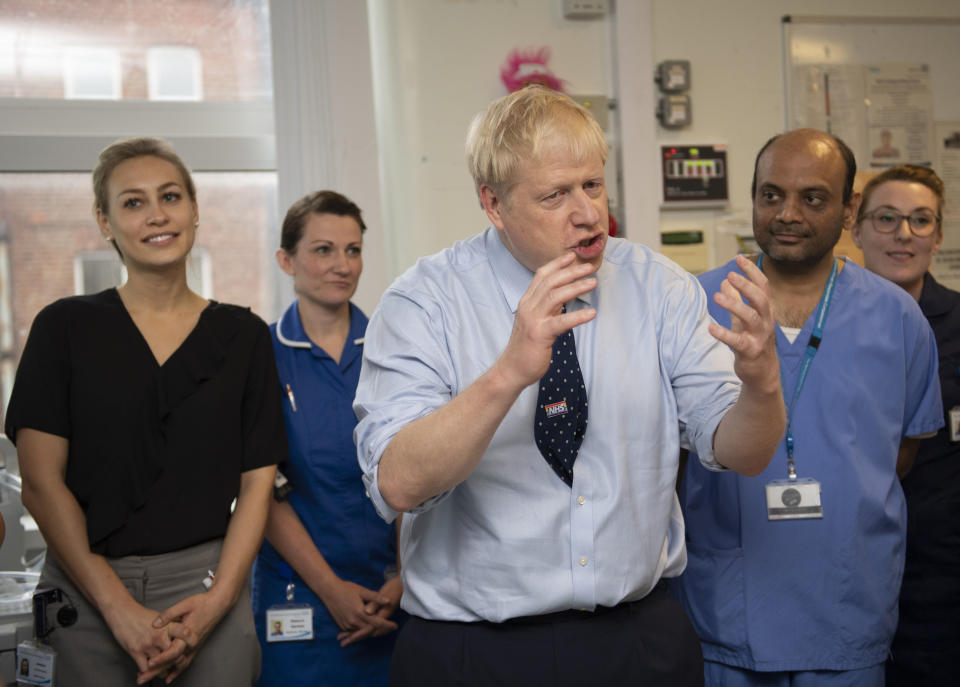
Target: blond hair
x=127, y=149
x=520, y=126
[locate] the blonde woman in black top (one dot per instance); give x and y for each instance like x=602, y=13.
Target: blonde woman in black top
x=140, y=413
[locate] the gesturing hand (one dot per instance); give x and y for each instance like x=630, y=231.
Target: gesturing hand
x=752, y=332
x=539, y=319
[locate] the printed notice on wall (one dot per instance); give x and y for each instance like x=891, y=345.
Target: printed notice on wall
x=884, y=112
x=830, y=97
x=899, y=115
x=946, y=266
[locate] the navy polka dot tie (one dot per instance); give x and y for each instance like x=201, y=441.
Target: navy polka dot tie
x=561, y=418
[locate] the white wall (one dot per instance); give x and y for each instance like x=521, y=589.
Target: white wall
x=436, y=64
x=325, y=130
x=735, y=48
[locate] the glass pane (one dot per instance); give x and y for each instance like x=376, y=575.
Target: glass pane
x=47, y=228
x=96, y=271
x=63, y=49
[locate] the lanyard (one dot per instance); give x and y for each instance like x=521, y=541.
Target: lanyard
x=812, y=346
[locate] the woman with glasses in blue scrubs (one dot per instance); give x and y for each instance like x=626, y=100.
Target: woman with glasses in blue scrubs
x=899, y=230
x=325, y=582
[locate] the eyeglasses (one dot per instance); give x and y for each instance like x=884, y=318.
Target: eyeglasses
x=922, y=222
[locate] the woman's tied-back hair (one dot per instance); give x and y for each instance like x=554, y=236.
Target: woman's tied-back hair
x=121, y=151
x=316, y=203
x=909, y=173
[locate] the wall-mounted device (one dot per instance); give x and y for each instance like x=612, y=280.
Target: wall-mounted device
x=693, y=175
x=674, y=111
x=673, y=108
x=584, y=9
x=686, y=248
x=673, y=76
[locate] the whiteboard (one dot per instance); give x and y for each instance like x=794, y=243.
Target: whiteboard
x=878, y=40
x=837, y=76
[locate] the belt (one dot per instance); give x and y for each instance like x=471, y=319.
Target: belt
x=564, y=616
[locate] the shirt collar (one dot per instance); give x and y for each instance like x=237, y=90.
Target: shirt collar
x=290, y=332
x=510, y=274
x=290, y=329
x=354, y=347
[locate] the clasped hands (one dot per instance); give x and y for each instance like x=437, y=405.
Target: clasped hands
x=361, y=612
x=165, y=643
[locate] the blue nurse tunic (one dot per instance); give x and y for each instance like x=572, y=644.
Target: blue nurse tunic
x=329, y=497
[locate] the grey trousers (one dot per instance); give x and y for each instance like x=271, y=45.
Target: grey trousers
x=88, y=655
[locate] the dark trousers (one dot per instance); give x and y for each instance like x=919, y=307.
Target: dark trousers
x=646, y=642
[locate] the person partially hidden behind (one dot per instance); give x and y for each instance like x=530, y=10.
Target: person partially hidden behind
x=899, y=230
x=792, y=577
x=524, y=396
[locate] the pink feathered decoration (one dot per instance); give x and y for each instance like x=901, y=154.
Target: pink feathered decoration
x=525, y=68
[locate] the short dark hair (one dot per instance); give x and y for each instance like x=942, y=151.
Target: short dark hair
x=910, y=173
x=316, y=203
x=848, y=158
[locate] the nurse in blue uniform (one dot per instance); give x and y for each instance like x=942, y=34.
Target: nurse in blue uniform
x=328, y=567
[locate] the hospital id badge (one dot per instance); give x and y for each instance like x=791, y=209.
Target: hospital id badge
x=795, y=499
x=35, y=662
x=289, y=623
x=955, y=423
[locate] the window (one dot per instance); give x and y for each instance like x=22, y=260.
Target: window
x=97, y=270
x=174, y=73
x=91, y=73
x=134, y=50
x=76, y=75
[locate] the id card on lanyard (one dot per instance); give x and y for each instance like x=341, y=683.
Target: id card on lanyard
x=289, y=622
x=793, y=498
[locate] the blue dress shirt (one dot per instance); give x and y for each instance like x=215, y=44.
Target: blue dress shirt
x=820, y=594
x=512, y=539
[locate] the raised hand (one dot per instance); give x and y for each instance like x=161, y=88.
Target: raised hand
x=539, y=319
x=752, y=332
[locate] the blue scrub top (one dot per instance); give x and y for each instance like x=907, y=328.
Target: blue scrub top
x=817, y=594
x=328, y=493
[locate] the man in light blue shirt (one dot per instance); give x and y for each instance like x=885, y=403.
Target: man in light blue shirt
x=511, y=575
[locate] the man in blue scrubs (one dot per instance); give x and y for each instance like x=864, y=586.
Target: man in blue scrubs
x=520, y=566
x=792, y=576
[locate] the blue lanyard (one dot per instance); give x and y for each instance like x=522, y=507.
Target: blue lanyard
x=812, y=347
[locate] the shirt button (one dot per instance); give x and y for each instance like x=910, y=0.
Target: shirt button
x=583, y=560
x=581, y=500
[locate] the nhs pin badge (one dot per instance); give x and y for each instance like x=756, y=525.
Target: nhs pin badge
x=555, y=409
